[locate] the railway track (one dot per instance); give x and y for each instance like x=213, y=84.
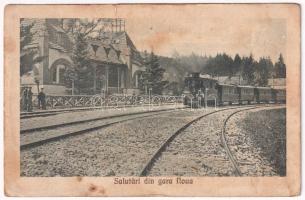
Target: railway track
x=41, y=135
x=148, y=166
x=226, y=146
x=225, y=143
x=47, y=113
x=151, y=162
x=53, y=126
x=101, y=146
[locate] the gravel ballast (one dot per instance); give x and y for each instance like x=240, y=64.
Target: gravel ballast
x=123, y=149
x=118, y=150
x=198, y=151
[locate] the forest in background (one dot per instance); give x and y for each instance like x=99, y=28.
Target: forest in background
x=254, y=72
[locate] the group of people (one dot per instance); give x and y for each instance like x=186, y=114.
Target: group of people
x=27, y=100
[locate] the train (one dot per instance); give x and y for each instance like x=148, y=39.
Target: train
x=200, y=91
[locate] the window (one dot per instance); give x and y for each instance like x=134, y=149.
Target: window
x=58, y=74
x=54, y=74
x=61, y=75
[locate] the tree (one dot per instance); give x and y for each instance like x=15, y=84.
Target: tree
x=248, y=68
x=220, y=65
x=81, y=74
x=28, y=56
x=280, y=68
x=153, y=75
x=71, y=78
x=263, y=71
x=236, y=64
x=81, y=62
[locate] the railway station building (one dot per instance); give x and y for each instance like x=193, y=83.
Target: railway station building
x=115, y=62
x=277, y=83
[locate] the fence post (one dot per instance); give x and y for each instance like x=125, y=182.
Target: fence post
x=51, y=98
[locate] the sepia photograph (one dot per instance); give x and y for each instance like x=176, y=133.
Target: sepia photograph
x=158, y=97
x=91, y=100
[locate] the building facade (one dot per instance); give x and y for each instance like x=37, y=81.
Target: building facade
x=115, y=62
x=277, y=83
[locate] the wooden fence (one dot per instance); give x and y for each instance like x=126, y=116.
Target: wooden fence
x=70, y=101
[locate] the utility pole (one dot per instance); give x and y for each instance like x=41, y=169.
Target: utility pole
x=118, y=80
x=72, y=86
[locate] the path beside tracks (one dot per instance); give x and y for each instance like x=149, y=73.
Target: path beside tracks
x=29, y=124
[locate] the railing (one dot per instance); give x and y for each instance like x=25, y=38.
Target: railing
x=70, y=101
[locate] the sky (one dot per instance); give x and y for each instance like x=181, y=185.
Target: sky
x=206, y=30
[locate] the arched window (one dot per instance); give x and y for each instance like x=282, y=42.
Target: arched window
x=58, y=74
x=57, y=71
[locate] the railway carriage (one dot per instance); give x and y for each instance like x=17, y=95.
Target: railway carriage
x=227, y=93
x=279, y=95
x=246, y=94
x=262, y=94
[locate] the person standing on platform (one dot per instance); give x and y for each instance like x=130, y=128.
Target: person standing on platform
x=29, y=100
x=134, y=98
x=24, y=100
x=42, y=99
